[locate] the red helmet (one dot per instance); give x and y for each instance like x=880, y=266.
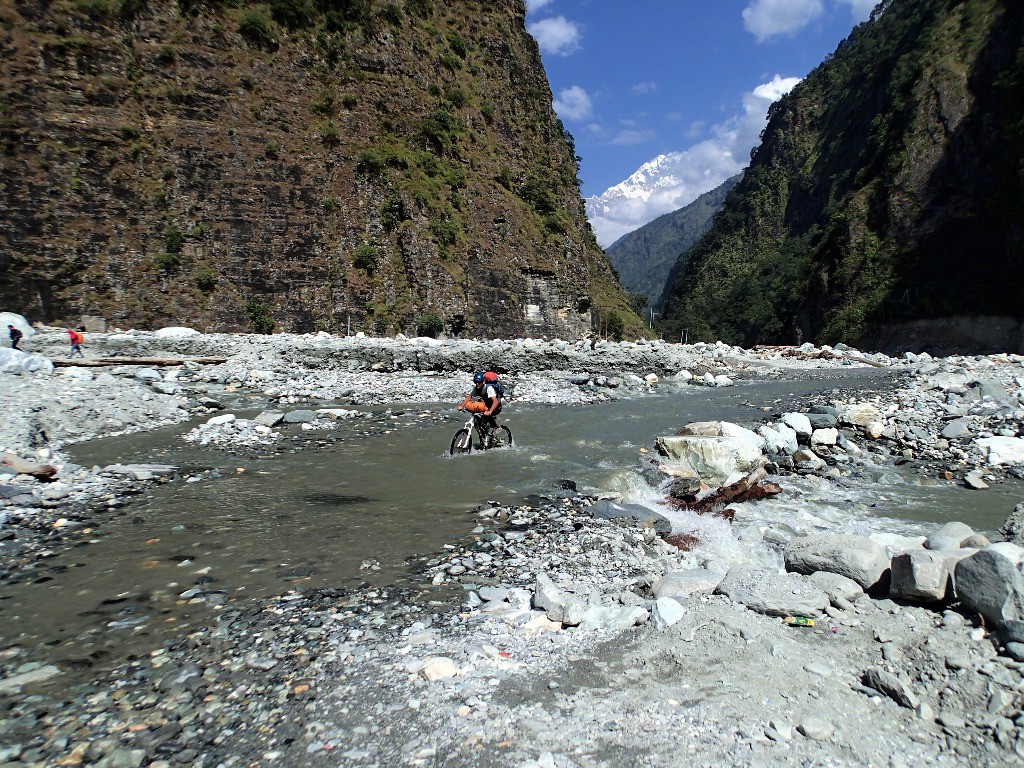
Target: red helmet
x=490, y=376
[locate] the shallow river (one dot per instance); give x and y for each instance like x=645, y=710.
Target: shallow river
x=358, y=509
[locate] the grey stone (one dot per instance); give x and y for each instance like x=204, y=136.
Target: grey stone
x=949, y=536
x=840, y=589
x=609, y=510
x=816, y=728
x=855, y=557
x=957, y=428
x=37, y=675
x=299, y=417
x=1015, y=651
x=990, y=584
x=123, y=758
x=822, y=420
x=773, y=594
x=1013, y=631
x=269, y=418
x=975, y=481
x=1012, y=528
x=573, y=612
x=612, y=617
x=148, y=374
x=547, y=596
x=493, y=594
x=887, y=683
x=682, y=584
x=924, y=575
x=806, y=460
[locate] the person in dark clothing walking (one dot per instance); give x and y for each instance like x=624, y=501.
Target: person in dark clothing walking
x=16, y=335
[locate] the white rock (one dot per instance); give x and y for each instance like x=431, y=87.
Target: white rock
x=1002, y=450
x=224, y=418
x=176, y=332
x=666, y=612
x=439, y=668
x=1008, y=550
x=799, y=423
x=827, y=436
x=716, y=460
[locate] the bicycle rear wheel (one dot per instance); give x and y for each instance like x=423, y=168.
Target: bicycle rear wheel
x=461, y=443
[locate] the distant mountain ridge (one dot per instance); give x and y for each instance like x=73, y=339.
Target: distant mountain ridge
x=888, y=189
x=645, y=257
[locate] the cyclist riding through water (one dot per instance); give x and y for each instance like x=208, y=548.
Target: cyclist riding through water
x=487, y=392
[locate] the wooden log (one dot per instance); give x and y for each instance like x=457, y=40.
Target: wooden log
x=27, y=466
x=156, y=362
x=747, y=488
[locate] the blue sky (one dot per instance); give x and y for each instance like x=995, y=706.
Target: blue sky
x=687, y=79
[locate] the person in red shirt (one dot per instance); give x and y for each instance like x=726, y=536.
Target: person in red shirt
x=76, y=339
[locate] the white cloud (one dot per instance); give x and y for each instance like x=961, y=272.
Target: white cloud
x=643, y=88
x=673, y=180
x=573, y=104
x=696, y=129
x=770, y=18
x=631, y=137
x=860, y=9
x=556, y=35
x=532, y=6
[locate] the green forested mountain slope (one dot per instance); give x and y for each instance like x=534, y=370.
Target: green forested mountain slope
x=889, y=186
x=643, y=258
x=230, y=164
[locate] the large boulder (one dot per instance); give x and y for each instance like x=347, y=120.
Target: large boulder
x=19, y=322
x=1002, y=450
x=1012, y=528
x=990, y=584
x=716, y=460
x=175, y=332
x=924, y=575
x=950, y=536
x=773, y=594
x=854, y=557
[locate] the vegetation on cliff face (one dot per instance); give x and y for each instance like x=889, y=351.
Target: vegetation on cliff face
x=370, y=163
x=889, y=186
x=645, y=257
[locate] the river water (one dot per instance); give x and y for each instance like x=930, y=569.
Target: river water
x=358, y=509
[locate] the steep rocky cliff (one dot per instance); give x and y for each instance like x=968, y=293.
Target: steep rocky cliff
x=302, y=164
x=889, y=187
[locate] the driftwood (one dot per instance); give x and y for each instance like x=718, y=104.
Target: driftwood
x=823, y=354
x=27, y=466
x=96, y=362
x=748, y=488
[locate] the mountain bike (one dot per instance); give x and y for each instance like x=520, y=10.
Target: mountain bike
x=463, y=440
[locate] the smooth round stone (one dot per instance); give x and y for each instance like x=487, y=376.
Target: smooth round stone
x=815, y=728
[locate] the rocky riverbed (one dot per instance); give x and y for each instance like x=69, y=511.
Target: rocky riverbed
x=564, y=630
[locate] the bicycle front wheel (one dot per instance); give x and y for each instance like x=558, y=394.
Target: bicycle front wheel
x=504, y=437
x=461, y=443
